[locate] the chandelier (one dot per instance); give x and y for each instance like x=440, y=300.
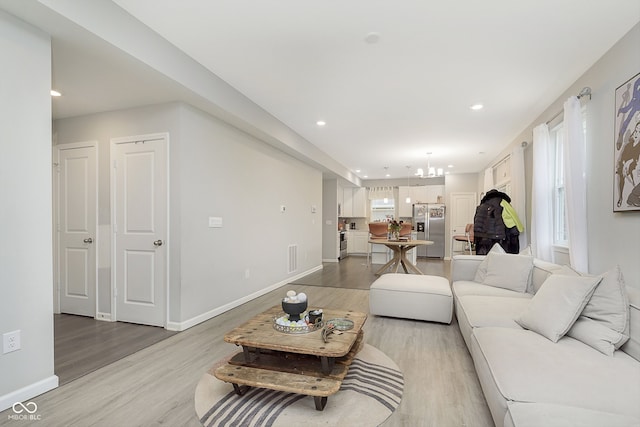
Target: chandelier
x=431, y=171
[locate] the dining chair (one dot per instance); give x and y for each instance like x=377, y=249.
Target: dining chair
x=377, y=230
x=467, y=237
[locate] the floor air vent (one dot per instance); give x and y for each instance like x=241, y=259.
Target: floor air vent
x=293, y=258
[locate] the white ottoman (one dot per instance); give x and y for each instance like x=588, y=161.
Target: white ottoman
x=412, y=296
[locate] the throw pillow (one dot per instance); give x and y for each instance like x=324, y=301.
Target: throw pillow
x=543, y=269
x=526, y=251
x=609, y=309
x=557, y=305
x=481, y=272
x=508, y=271
x=596, y=335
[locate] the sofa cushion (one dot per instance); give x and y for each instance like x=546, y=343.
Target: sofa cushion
x=463, y=287
x=557, y=305
x=474, y=311
x=482, y=311
x=604, y=322
x=526, y=367
x=508, y=271
x=551, y=415
x=481, y=272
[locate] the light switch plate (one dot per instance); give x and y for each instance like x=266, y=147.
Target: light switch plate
x=215, y=222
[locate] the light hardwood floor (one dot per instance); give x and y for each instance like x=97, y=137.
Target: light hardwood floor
x=155, y=386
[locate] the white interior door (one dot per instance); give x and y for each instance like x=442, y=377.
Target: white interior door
x=461, y=212
x=77, y=223
x=140, y=229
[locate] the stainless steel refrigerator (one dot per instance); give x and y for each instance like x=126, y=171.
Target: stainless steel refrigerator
x=428, y=221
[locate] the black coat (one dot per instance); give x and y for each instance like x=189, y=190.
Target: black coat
x=487, y=222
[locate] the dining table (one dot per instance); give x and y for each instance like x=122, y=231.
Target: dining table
x=400, y=247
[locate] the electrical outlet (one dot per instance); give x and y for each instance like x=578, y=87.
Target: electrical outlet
x=10, y=342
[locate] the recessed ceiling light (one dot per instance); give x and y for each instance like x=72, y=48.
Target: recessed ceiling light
x=366, y=176
x=55, y=93
x=477, y=107
x=388, y=175
x=357, y=170
x=450, y=166
x=321, y=123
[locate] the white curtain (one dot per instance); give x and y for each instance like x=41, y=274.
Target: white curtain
x=488, y=180
x=518, y=195
x=542, y=195
x=575, y=184
x=376, y=193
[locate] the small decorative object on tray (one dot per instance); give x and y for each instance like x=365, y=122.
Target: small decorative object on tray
x=296, y=320
x=294, y=304
x=302, y=326
x=340, y=324
x=315, y=316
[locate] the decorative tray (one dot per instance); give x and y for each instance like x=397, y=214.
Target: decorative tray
x=282, y=324
x=340, y=324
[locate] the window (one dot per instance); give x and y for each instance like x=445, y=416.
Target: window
x=382, y=209
x=560, y=235
x=560, y=227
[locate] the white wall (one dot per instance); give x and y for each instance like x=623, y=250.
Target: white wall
x=330, y=220
x=613, y=237
x=227, y=173
x=25, y=216
x=215, y=170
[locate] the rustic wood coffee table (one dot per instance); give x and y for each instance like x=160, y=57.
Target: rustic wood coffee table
x=300, y=363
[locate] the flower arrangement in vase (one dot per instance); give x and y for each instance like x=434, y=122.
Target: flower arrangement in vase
x=394, y=230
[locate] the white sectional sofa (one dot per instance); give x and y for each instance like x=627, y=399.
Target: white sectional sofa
x=529, y=380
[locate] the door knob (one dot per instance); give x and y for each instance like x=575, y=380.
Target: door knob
x=158, y=243
x=88, y=240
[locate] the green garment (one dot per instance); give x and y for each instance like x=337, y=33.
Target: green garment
x=510, y=217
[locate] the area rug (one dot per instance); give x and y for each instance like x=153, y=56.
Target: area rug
x=370, y=393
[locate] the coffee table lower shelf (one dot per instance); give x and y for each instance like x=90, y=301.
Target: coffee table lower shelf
x=243, y=377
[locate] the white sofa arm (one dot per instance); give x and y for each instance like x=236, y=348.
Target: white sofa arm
x=463, y=267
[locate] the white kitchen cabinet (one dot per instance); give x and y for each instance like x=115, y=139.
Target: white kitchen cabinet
x=359, y=203
x=435, y=193
x=357, y=242
x=404, y=209
x=348, y=203
x=417, y=194
x=420, y=194
x=340, y=198
x=354, y=203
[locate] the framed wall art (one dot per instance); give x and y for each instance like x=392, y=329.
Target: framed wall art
x=626, y=191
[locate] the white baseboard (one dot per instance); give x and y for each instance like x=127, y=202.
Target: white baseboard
x=28, y=392
x=181, y=326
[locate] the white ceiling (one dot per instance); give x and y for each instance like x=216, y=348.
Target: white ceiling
x=386, y=104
